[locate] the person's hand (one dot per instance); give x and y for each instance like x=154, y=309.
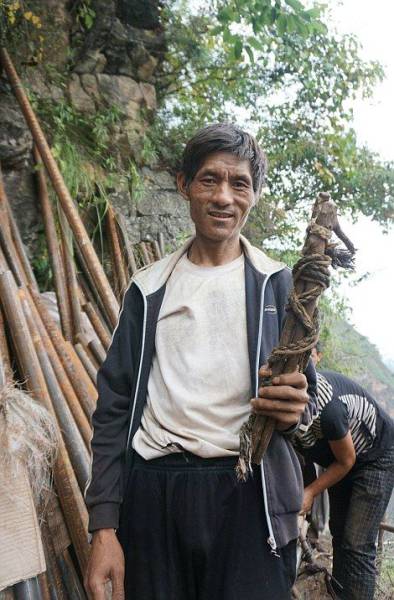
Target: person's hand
x=284, y=400
x=106, y=563
x=307, y=501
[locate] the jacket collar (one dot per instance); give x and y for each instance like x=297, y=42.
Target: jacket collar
x=151, y=278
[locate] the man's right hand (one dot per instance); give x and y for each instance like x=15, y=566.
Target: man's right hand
x=106, y=563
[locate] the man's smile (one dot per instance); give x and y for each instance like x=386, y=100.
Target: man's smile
x=220, y=215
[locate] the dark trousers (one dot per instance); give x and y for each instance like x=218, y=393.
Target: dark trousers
x=357, y=506
x=191, y=531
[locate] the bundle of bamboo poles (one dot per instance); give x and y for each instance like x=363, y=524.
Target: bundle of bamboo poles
x=57, y=356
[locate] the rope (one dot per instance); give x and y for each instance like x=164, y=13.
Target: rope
x=313, y=268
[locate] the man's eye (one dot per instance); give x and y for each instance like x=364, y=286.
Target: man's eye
x=240, y=184
x=208, y=180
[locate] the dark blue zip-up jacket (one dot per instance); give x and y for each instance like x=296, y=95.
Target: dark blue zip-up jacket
x=122, y=385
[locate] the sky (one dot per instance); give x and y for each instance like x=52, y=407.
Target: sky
x=372, y=299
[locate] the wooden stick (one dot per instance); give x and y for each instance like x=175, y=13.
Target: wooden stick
x=127, y=244
x=69, y=494
x=71, y=277
x=293, y=330
x=6, y=369
x=144, y=253
x=85, y=359
x=55, y=258
x=75, y=370
x=61, y=375
x=66, y=201
x=74, y=443
x=100, y=330
x=162, y=244
x=116, y=253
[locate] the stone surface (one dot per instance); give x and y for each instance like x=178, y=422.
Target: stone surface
x=78, y=97
x=149, y=95
x=121, y=91
x=115, y=63
x=15, y=138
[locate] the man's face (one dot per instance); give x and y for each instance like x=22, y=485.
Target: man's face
x=316, y=356
x=220, y=195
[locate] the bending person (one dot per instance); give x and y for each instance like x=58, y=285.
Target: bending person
x=353, y=438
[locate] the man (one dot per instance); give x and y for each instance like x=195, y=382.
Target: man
x=353, y=438
x=184, y=363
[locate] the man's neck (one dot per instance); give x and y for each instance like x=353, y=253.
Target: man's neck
x=206, y=253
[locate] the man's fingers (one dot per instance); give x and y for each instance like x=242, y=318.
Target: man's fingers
x=295, y=379
x=283, y=393
x=118, y=585
x=95, y=589
x=263, y=406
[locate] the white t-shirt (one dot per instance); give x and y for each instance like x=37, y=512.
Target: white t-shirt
x=199, y=386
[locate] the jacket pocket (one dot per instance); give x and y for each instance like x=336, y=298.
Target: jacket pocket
x=283, y=477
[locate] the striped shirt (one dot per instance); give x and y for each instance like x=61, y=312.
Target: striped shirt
x=342, y=406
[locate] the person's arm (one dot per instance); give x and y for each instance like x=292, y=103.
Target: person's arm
x=110, y=426
x=345, y=457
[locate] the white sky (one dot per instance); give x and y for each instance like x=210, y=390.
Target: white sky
x=372, y=299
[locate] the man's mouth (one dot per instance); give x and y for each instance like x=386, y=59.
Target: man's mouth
x=219, y=215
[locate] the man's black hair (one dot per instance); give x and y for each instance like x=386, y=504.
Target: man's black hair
x=224, y=137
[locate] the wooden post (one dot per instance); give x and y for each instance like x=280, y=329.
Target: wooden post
x=55, y=258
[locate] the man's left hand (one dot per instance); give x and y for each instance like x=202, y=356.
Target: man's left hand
x=284, y=400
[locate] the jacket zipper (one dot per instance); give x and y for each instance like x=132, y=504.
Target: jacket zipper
x=271, y=538
x=140, y=365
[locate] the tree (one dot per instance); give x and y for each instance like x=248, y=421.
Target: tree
x=283, y=73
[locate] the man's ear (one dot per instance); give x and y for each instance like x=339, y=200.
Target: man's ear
x=182, y=187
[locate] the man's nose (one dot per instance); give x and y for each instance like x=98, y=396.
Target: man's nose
x=222, y=194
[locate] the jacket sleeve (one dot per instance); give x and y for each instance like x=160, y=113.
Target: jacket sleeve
x=110, y=420
x=283, y=287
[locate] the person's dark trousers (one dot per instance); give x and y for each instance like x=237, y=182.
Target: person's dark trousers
x=191, y=531
x=357, y=506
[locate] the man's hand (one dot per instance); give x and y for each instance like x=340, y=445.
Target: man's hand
x=106, y=563
x=307, y=501
x=284, y=400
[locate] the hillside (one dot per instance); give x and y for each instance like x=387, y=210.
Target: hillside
x=346, y=350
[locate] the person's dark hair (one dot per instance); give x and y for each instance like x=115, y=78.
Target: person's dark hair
x=224, y=137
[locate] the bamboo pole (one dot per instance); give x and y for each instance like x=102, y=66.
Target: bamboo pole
x=75, y=370
x=6, y=369
x=52, y=565
x=70, y=496
x=116, y=253
x=127, y=244
x=76, y=449
x=66, y=201
x=93, y=347
x=98, y=326
x=71, y=277
x=85, y=359
x=59, y=278
x=162, y=244
x=44, y=586
x=61, y=375
x=144, y=253
x=156, y=250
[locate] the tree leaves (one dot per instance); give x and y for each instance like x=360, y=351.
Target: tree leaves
x=280, y=72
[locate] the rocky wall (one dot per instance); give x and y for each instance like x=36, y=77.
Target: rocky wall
x=114, y=64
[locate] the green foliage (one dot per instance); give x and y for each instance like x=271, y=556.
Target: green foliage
x=81, y=145
x=19, y=23
x=279, y=71
x=85, y=14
